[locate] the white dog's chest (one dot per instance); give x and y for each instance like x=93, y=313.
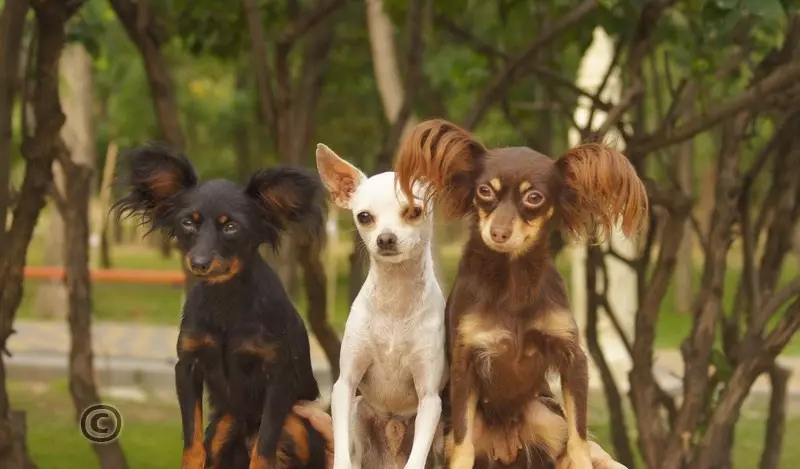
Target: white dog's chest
x=388, y=384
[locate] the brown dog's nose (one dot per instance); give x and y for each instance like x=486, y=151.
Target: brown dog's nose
x=500, y=234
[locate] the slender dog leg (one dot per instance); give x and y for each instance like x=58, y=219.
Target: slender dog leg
x=575, y=389
x=464, y=403
x=189, y=386
x=342, y=396
x=278, y=402
x=429, y=409
x=218, y=436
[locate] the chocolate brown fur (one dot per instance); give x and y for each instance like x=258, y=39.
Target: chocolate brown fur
x=509, y=321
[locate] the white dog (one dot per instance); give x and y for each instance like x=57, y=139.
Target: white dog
x=393, y=349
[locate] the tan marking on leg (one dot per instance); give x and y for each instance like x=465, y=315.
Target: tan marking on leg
x=221, y=435
x=577, y=448
x=194, y=457
x=191, y=342
x=463, y=455
x=545, y=428
x=558, y=323
x=475, y=333
x=268, y=352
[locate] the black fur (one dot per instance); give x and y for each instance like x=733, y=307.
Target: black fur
x=240, y=334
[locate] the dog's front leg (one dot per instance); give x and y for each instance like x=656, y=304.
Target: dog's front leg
x=429, y=410
x=279, y=398
x=464, y=404
x=575, y=390
x=189, y=387
x=352, y=369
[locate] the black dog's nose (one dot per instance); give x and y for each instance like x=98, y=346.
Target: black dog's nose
x=387, y=241
x=200, y=264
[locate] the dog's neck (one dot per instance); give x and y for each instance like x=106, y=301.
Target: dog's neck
x=392, y=287
x=412, y=270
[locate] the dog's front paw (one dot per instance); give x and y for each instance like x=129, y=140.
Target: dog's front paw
x=341, y=462
x=601, y=459
x=463, y=456
x=578, y=456
x=194, y=457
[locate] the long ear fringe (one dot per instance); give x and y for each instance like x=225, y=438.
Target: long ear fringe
x=446, y=157
x=603, y=190
x=304, y=215
x=151, y=206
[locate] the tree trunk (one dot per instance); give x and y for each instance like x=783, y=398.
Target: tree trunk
x=776, y=422
x=12, y=26
x=39, y=152
x=82, y=386
x=310, y=258
x=685, y=268
x=137, y=20
x=76, y=65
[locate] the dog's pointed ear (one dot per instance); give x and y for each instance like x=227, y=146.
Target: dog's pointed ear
x=601, y=188
x=156, y=174
x=287, y=195
x=339, y=177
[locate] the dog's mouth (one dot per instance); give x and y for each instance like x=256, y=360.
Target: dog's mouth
x=217, y=271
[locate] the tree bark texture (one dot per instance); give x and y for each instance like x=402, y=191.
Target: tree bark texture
x=39, y=151
x=12, y=26
x=82, y=386
x=78, y=161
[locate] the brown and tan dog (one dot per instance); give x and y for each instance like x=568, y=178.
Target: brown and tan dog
x=509, y=321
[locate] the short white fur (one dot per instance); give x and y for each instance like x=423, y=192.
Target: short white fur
x=395, y=332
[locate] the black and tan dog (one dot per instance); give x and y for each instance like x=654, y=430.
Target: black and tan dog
x=240, y=335
x=509, y=322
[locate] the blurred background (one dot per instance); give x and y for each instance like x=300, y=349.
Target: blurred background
x=691, y=328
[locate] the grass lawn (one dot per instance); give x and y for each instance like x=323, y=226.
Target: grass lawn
x=160, y=304
x=151, y=432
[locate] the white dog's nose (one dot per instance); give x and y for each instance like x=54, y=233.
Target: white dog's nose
x=387, y=241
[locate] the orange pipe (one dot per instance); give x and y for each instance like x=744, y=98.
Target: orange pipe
x=137, y=276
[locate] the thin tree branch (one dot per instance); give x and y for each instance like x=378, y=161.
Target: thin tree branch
x=505, y=78
x=751, y=98
x=292, y=33
x=263, y=72
x=619, y=431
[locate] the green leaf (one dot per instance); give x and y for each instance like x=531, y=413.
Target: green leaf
x=767, y=9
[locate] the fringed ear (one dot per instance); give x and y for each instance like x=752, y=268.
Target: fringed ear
x=156, y=174
x=339, y=177
x=447, y=158
x=601, y=189
x=288, y=196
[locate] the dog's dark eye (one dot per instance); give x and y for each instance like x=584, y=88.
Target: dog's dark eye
x=364, y=218
x=412, y=213
x=533, y=199
x=188, y=224
x=230, y=228
x=485, y=192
